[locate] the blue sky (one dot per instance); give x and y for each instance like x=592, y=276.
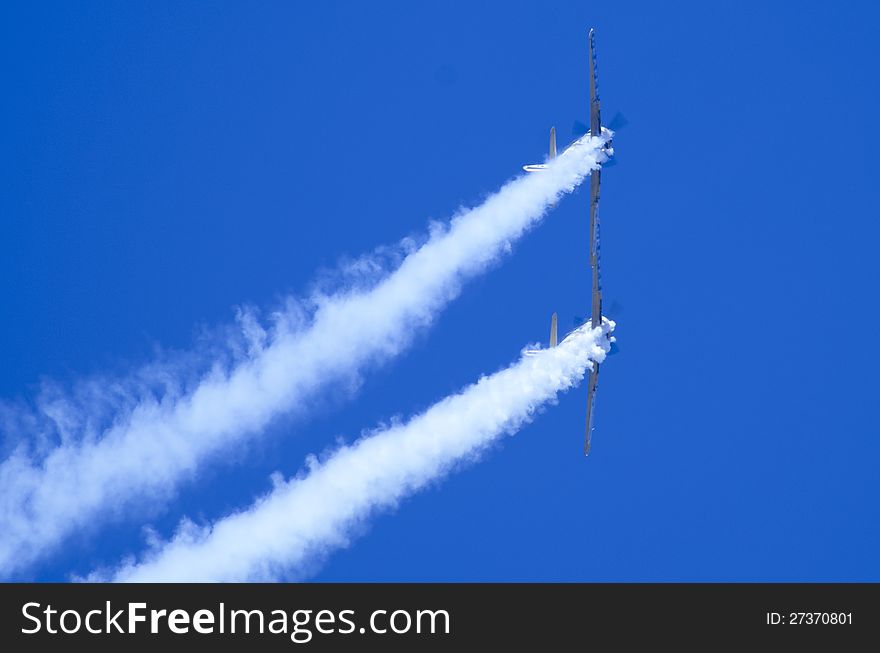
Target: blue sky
x=165, y=163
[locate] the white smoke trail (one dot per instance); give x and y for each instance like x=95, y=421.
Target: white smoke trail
x=305, y=517
x=153, y=445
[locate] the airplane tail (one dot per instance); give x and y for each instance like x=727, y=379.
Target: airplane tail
x=537, y=167
x=536, y=352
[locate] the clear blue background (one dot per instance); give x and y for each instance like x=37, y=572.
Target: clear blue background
x=163, y=163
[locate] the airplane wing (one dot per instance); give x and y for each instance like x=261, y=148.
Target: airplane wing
x=592, y=385
x=595, y=180
x=596, y=311
x=595, y=120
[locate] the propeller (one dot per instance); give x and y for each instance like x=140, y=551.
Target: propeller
x=618, y=122
x=614, y=311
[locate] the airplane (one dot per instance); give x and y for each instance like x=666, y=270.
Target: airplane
x=596, y=319
x=595, y=128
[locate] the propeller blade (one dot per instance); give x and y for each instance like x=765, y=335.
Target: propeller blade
x=578, y=129
x=618, y=122
x=616, y=309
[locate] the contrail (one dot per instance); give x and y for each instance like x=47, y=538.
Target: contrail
x=154, y=444
x=303, y=518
